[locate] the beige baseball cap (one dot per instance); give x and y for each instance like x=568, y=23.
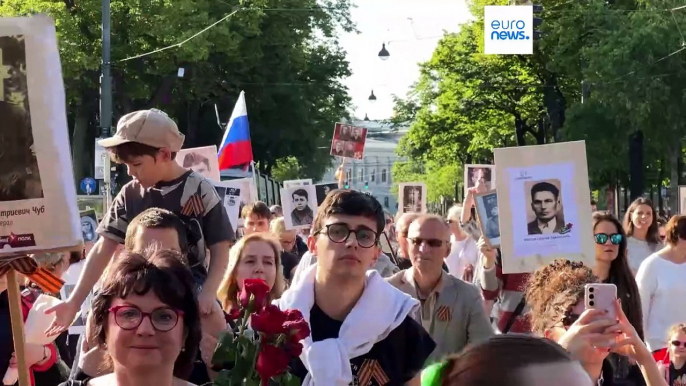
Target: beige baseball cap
x=149, y=127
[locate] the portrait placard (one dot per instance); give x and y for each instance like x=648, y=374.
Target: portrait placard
x=323, y=190
x=38, y=209
x=290, y=183
x=348, y=141
x=412, y=197
x=682, y=199
x=475, y=172
x=487, y=213
x=201, y=160
x=543, y=204
x=244, y=189
x=299, y=206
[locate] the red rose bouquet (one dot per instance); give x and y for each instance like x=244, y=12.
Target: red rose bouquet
x=259, y=355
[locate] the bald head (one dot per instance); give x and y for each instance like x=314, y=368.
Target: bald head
x=440, y=229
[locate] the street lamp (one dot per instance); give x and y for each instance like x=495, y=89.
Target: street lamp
x=366, y=118
x=384, y=54
x=372, y=97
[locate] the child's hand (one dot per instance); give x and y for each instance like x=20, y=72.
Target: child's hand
x=206, y=301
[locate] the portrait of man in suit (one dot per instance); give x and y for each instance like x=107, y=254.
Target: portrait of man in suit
x=545, y=204
x=338, y=148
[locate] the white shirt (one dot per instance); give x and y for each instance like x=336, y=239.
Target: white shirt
x=661, y=301
x=549, y=227
x=637, y=252
x=462, y=253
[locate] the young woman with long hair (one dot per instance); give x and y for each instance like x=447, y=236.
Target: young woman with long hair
x=640, y=225
x=611, y=266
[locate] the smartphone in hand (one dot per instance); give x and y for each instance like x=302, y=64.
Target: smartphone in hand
x=601, y=296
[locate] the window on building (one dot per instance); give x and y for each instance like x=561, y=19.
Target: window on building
x=373, y=175
x=383, y=175
x=347, y=176
x=360, y=174
x=385, y=202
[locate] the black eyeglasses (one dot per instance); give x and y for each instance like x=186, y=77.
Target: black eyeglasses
x=434, y=243
x=677, y=343
x=339, y=233
x=130, y=317
x=601, y=238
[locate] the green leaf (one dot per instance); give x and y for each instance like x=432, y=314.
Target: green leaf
x=290, y=380
x=226, y=350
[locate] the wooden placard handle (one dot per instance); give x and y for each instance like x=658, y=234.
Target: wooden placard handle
x=17, y=317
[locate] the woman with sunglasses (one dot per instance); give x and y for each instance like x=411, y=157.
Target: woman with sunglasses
x=146, y=318
x=672, y=364
x=611, y=266
x=556, y=296
x=661, y=299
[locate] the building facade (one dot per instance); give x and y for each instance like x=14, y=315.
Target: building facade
x=373, y=172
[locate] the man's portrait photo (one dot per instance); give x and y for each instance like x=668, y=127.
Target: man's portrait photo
x=489, y=221
x=19, y=174
x=349, y=149
x=299, y=206
x=357, y=135
x=338, y=148
x=412, y=197
x=545, y=215
x=202, y=160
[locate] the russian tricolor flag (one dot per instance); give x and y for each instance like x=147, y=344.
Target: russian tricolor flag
x=235, y=148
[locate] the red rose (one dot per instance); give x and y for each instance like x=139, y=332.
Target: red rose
x=293, y=315
x=294, y=348
x=233, y=314
x=297, y=329
x=271, y=361
x=255, y=289
x=270, y=320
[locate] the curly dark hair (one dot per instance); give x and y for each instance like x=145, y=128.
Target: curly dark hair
x=164, y=273
x=553, y=290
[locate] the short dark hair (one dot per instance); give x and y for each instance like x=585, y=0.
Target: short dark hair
x=300, y=192
x=258, y=208
x=544, y=187
x=676, y=229
x=126, y=151
x=192, y=158
x=512, y=352
x=163, y=274
x=351, y=203
x=157, y=218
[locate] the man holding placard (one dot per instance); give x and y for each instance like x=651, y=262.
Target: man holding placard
x=147, y=142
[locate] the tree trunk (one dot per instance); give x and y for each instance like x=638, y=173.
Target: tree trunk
x=79, y=146
x=674, y=153
x=636, y=164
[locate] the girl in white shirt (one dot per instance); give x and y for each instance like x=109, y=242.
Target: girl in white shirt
x=640, y=224
x=662, y=300
x=463, y=253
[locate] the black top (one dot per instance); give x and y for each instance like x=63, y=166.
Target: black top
x=6, y=341
x=288, y=262
x=391, y=362
x=677, y=377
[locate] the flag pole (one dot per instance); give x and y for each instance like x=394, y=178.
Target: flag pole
x=254, y=179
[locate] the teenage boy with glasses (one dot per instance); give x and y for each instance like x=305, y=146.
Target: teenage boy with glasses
x=362, y=331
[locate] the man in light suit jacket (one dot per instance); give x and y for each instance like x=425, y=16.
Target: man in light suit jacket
x=452, y=310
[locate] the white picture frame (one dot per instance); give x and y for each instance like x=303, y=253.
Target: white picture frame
x=294, y=217
x=412, y=197
x=489, y=223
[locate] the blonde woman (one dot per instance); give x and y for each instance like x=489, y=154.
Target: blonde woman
x=256, y=256
x=672, y=364
x=287, y=239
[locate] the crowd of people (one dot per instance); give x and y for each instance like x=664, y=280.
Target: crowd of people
x=415, y=300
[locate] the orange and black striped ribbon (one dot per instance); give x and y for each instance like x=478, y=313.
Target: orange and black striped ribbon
x=25, y=265
x=444, y=314
x=371, y=369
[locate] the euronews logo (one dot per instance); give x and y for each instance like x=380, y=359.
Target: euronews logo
x=508, y=30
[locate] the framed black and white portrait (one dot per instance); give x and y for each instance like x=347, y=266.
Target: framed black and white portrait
x=487, y=213
x=299, y=205
x=412, y=197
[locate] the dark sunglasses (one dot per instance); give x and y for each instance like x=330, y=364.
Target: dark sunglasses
x=434, y=243
x=677, y=343
x=601, y=238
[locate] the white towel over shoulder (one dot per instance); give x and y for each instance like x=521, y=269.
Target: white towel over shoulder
x=379, y=311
